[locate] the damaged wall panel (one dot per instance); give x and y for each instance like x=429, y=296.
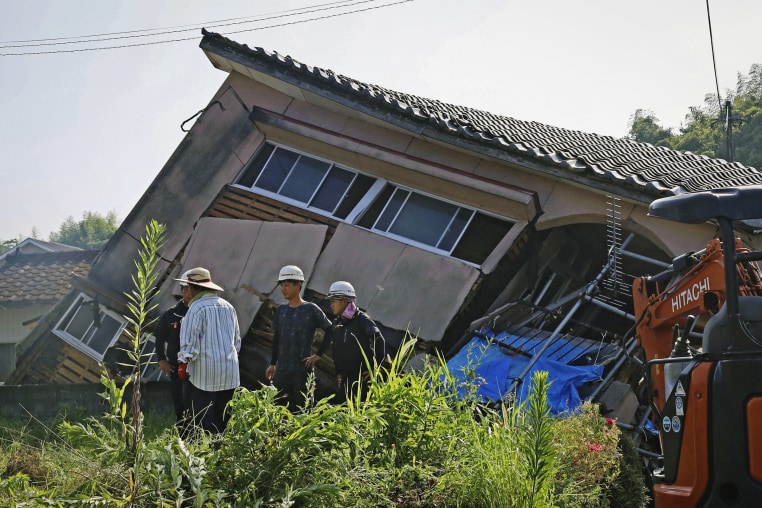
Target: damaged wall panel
x=401, y=286
x=244, y=257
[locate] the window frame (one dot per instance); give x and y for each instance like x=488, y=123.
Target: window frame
x=357, y=210
x=355, y=216
x=61, y=329
x=425, y=246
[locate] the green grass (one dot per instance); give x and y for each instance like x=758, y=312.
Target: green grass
x=411, y=443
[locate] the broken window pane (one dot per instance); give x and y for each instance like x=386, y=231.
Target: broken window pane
x=88, y=324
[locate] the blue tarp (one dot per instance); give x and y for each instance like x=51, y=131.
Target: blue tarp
x=491, y=369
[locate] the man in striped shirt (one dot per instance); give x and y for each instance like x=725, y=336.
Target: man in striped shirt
x=210, y=340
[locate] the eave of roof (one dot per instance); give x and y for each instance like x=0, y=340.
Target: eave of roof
x=39, y=245
x=638, y=171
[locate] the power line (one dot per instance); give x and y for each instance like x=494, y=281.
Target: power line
x=729, y=119
x=714, y=60
x=195, y=26
x=165, y=41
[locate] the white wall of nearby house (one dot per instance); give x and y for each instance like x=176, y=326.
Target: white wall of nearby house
x=12, y=331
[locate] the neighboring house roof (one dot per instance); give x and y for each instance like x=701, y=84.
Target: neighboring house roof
x=32, y=245
x=43, y=277
x=637, y=169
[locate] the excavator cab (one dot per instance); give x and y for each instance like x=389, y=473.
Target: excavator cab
x=711, y=422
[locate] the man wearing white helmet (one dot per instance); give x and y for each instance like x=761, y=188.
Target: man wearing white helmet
x=294, y=327
x=357, y=342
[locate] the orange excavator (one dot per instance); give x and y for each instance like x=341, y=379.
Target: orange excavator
x=700, y=328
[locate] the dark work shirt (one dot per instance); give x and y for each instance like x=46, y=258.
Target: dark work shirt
x=168, y=333
x=294, y=330
x=354, y=340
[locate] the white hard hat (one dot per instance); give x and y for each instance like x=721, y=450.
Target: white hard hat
x=341, y=289
x=184, y=278
x=291, y=272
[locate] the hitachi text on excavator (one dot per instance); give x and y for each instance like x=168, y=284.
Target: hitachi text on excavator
x=699, y=330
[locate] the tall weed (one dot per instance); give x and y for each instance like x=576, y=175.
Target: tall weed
x=411, y=443
x=270, y=456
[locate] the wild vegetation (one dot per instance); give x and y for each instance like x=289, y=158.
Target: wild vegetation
x=413, y=442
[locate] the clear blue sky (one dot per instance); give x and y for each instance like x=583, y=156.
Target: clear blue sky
x=88, y=131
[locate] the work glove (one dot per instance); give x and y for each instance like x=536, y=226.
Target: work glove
x=182, y=371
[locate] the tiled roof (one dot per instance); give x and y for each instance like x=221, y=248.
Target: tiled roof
x=589, y=158
x=44, y=277
x=32, y=245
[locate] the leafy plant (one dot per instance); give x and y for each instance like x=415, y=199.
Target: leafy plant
x=295, y=453
x=144, y=289
x=416, y=440
x=535, y=443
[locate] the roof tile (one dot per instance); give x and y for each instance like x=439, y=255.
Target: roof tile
x=656, y=170
x=41, y=277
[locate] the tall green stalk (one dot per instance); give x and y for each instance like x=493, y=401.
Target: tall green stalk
x=535, y=443
x=140, y=306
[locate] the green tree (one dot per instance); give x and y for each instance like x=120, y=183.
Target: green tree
x=645, y=128
x=702, y=134
x=748, y=105
x=92, y=232
x=704, y=131
x=6, y=245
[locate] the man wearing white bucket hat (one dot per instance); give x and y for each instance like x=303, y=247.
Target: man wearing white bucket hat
x=210, y=340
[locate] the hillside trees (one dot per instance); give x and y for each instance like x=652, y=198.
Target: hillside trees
x=92, y=232
x=704, y=130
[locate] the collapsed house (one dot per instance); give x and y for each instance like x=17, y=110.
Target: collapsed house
x=451, y=223
x=34, y=275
